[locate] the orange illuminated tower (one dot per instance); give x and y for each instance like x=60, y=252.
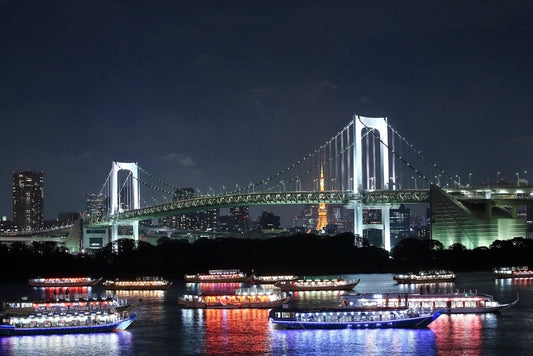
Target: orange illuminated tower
x=322, y=211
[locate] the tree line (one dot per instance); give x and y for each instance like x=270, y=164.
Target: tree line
x=302, y=254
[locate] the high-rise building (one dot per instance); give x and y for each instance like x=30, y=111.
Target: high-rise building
x=241, y=218
x=195, y=221
x=28, y=200
x=400, y=224
x=268, y=221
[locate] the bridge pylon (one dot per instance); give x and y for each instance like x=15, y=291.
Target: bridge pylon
x=381, y=181
x=117, y=206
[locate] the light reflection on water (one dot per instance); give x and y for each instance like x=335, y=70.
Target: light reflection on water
x=353, y=342
x=248, y=331
x=227, y=331
x=163, y=327
x=79, y=344
x=459, y=334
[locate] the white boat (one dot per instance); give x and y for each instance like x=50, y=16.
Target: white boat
x=79, y=323
x=434, y=276
x=63, y=282
x=344, y=318
x=317, y=284
x=271, y=279
x=218, y=276
x=140, y=283
x=513, y=272
x=242, y=298
x=449, y=303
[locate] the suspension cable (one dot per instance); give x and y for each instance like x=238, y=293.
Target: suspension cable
x=431, y=162
x=416, y=171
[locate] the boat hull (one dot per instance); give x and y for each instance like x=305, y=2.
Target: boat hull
x=415, y=322
x=9, y=330
x=514, y=275
x=297, y=287
x=513, y=272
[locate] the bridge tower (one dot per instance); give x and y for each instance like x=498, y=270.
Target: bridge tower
x=117, y=207
x=322, y=210
x=382, y=179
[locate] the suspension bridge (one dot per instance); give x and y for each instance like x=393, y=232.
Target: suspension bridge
x=365, y=165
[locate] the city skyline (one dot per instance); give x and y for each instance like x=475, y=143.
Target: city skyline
x=210, y=94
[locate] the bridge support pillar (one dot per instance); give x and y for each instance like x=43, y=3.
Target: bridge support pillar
x=358, y=222
x=359, y=227
x=115, y=234
x=385, y=220
x=133, y=201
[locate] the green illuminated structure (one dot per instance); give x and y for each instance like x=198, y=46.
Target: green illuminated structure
x=472, y=222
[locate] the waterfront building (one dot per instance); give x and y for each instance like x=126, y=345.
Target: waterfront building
x=7, y=225
x=268, y=221
x=95, y=205
x=28, y=200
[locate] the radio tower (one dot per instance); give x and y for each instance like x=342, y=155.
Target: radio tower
x=322, y=211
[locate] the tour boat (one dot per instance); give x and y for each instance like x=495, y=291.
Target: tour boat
x=273, y=279
x=449, y=303
x=344, y=318
x=243, y=298
x=513, y=272
x=317, y=284
x=218, y=276
x=64, y=282
x=63, y=305
x=435, y=276
x=140, y=283
x=65, y=323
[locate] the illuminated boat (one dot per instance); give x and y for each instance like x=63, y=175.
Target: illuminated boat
x=65, y=323
x=317, y=284
x=218, y=276
x=243, y=298
x=24, y=307
x=273, y=279
x=140, y=283
x=513, y=272
x=344, y=318
x=64, y=282
x=435, y=276
x=448, y=303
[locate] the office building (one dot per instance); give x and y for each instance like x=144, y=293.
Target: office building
x=28, y=200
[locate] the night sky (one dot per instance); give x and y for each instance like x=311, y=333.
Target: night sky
x=212, y=93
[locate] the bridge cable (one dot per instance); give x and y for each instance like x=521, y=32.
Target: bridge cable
x=409, y=165
x=431, y=162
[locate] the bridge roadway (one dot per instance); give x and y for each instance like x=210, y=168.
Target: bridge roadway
x=262, y=198
x=500, y=195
